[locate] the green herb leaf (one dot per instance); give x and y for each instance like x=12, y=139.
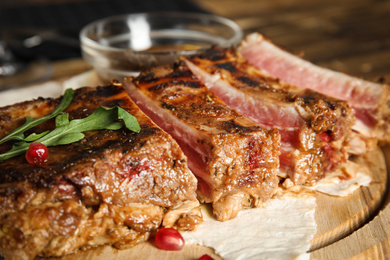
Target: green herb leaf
x=17, y=149
x=17, y=134
x=130, y=120
x=33, y=137
x=67, y=132
x=62, y=119
x=69, y=138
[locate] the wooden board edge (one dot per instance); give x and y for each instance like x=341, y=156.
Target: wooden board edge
x=370, y=241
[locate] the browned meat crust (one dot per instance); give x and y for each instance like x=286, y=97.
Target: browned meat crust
x=112, y=187
x=235, y=160
x=314, y=128
x=370, y=100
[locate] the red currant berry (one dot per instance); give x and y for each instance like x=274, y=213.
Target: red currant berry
x=205, y=257
x=169, y=239
x=37, y=153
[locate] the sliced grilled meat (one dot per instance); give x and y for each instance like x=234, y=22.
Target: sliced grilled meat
x=234, y=159
x=313, y=127
x=371, y=101
x=110, y=188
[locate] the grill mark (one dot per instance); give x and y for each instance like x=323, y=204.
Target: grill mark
x=190, y=84
x=249, y=82
x=213, y=54
x=148, y=78
x=162, y=86
x=93, y=145
x=77, y=152
x=108, y=91
x=181, y=72
x=114, y=103
x=100, y=92
x=227, y=66
x=158, y=87
x=232, y=127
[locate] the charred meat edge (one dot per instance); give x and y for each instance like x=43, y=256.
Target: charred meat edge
x=313, y=127
x=370, y=100
x=233, y=158
x=111, y=188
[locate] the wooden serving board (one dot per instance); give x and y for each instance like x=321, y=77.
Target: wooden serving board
x=337, y=217
x=371, y=241
x=341, y=224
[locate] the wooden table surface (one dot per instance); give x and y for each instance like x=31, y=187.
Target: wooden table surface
x=351, y=36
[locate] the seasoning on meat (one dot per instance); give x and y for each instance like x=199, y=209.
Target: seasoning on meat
x=234, y=159
x=110, y=188
x=313, y=127
x=370, y=100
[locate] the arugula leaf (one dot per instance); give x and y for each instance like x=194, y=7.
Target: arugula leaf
x=67, y=132
x=32, y=137
x=18, y=135
x=62, y=119
x=130, y=120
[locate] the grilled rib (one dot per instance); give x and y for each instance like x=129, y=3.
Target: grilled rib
x=313, y=127
x=110, y=188
x=370, y=100
x=234, y=159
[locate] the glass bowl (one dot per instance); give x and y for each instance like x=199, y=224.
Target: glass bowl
x=123, y=45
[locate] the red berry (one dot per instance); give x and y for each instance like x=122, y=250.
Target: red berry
x=205, y=257
x=37, y=153
x=169, y=239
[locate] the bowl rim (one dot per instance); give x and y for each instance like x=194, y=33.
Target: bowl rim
x=85, y=40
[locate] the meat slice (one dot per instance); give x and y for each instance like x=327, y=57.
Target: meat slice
x=110, y=188
x=234, y=159
x=370, y=100
x=313, y=127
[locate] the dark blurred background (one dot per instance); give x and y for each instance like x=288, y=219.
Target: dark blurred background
x=352, y=36
x=36, y=28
